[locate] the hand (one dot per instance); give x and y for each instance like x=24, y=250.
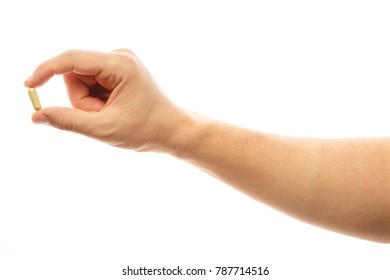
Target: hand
x=115, y=100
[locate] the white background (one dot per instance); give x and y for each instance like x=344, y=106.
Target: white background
x=74, y=208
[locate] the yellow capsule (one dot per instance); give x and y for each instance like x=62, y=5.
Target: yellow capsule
x=34, y=98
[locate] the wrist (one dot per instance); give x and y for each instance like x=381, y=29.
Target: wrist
x=191, y=132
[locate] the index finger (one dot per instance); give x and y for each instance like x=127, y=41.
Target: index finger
x=77, y=61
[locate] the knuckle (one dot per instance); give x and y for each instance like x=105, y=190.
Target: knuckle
x=69, y=53
x=110, y=132
x=66, y=123
x=128, y=59
x=110, y=135
x=105, y=129
x=127, y=62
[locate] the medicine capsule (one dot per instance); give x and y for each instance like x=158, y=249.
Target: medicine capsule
x=34, y=99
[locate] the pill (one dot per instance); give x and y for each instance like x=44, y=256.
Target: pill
x=34, y=98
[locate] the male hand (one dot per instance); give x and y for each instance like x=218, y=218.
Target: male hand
x=115, y=100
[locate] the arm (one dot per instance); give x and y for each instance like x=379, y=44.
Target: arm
x=341, y=185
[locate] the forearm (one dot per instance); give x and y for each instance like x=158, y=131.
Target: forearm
x=342, y=185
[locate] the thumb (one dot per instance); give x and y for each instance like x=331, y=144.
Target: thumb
x=74, y=120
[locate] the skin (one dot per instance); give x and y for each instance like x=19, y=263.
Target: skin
x=341, y=185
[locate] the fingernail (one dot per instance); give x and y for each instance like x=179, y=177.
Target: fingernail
x=41, y=119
